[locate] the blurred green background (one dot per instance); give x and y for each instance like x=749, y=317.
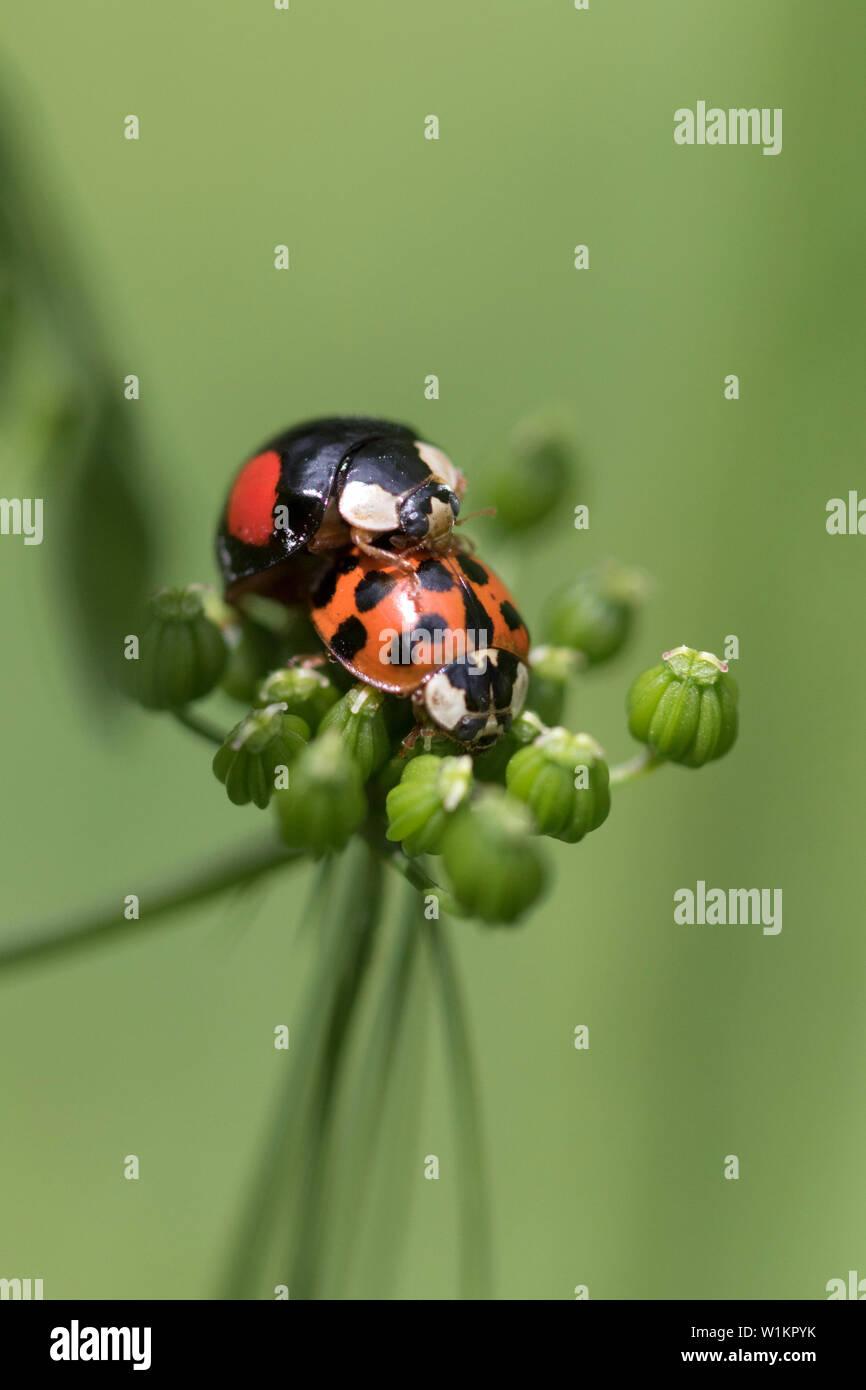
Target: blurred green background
x=454, y=257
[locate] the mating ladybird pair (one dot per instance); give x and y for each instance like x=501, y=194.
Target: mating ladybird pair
x=355, y=518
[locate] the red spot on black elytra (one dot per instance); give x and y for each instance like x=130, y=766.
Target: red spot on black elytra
x=250, y=510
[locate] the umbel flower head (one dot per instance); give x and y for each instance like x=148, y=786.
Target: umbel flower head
x=182, y=653
x=685, y=709
x=343, y=759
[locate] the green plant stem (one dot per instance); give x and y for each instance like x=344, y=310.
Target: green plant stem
x=95, y=928
x=638, y=766
x=199, y=726
x=369, y=1101
x=472, y=1186
x=267, y=1206
x=360, y=926
x=284, y=1215
x=408, y=869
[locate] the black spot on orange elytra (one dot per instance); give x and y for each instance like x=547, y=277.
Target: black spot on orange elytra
x=511, y=615
x=370, y=590
x=349, y=638
x=472, y=569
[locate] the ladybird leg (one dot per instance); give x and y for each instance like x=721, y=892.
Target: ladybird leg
x=409, y=741
x=426, y=732
x=331, y=540
x=393, y=558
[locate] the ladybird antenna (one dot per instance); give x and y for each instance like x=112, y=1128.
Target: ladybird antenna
x=482, y=511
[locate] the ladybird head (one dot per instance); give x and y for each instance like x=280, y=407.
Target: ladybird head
x=427, y=514
x=475, y=700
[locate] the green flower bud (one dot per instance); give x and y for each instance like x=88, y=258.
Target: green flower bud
x=685, y=709
x=304, y=690
x=551, y=669
x=360, y=718
x=392, y=771
x=429, y=792
x=494, y=867
x=253, y=652
x=390, y=774
x=594, y=615
x=325, y=803
x=526, y=728
x=563, y=779
x=533, y=472
x=182, y=653
x=248, y=761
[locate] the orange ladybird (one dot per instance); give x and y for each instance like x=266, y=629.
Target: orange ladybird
x=446, y=633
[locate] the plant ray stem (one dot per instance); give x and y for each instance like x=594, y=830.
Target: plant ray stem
x=370, y=1100
x=266, y=1198
x=475, y=1225
x=360, y=927
x=412, y=872
x=199, y=726
x=638, y=766
x=98, y=927
x=284, y=1208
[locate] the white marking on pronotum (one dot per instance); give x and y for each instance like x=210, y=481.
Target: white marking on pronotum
x=369, y=506
x=440, y=465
